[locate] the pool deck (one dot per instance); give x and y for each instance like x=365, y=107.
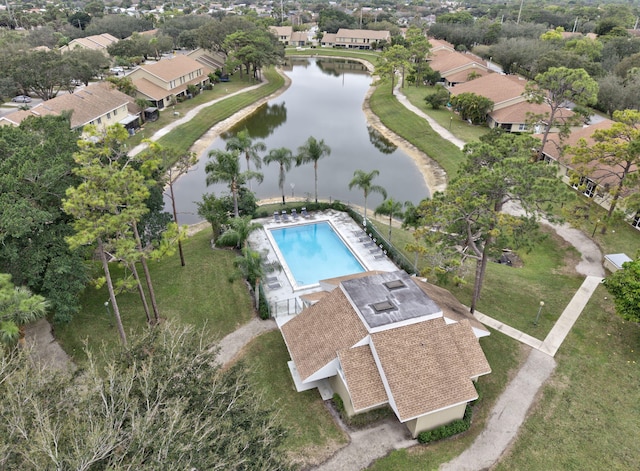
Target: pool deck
x=278, y=288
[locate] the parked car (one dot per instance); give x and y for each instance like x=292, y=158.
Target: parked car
x=21, y=99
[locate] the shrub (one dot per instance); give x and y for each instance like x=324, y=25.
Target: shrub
x=448, y=430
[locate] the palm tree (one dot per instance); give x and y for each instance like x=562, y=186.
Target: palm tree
x=312, y=151
x=284, y=157
x=238, y=233
x=226, y=168
x=253, y=269
x=18, y=307
x=363, y=180
x=390, y=207
x=243, y=143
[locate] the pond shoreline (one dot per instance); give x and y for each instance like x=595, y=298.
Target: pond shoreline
x=429, y=168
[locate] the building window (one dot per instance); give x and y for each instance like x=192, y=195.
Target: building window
x=586, y=186
x=99, y=120
x=108, y=115
x=522, y=127
x=115, y=112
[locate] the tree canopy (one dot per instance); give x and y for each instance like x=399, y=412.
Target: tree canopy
x=163, y=403
x=624, y=286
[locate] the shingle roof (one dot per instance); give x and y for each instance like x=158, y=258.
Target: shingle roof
x=362, y=34
x=463, y=75
x=173, y=68
x=87, y=104
x=451, y=308
x=445, y=61
x=551, y=146
x=316, y=334
x=498, y=88
x=429, y=366
x=97, y=42
x=362, y=377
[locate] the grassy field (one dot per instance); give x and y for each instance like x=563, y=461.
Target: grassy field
x=587, y=417
x=414, y=129
x=370, y=56
x=311, y=428
x=198, y=294
x=445, y=118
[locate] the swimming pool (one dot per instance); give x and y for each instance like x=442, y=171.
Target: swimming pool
x=314, y=252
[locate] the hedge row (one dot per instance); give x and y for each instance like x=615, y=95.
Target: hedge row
x=449, y=430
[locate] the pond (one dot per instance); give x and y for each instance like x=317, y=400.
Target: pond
x=324, y=101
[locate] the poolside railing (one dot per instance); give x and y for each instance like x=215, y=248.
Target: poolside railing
x=285, y=307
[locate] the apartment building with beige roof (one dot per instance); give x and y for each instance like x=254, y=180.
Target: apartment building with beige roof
x=355, y=38
x=167, y=79
x=98, y=42
x=456, y=68
x=379, y=339
x=99, y=104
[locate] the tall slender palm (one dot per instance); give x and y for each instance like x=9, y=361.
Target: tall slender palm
x=284, y=157
x=253, y=269
x=243, y=143
x=364, y=181
x=312, y=151
x=226, y=168
x=390, y=207
x=18, y=307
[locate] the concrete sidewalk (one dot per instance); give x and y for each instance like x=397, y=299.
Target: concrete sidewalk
x=187, y=117
x=506, y=416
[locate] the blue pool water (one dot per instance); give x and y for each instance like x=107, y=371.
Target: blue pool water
x=314, y=252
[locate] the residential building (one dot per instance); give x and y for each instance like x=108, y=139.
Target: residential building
x=168, y=79
x=283, y=33
x=99, y=104
x=98, y=42
x=511, y=111
x=356, y=38
x=387, y=339
x=594, y=185
x=456, y=68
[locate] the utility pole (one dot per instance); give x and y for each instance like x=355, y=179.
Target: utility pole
x=520, y=11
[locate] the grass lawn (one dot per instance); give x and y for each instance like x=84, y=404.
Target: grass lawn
x=587, y=418
x=167, y=116
x=198, y=294
x=414, y=129
x=312, y=432
x=370, y=56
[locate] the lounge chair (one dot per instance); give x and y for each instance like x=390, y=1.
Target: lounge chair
x=294, y=213
x=276, y=216
x=304, y=213
x=274, y=285
x=369, y=243
x=272, y=279
x=285, y=216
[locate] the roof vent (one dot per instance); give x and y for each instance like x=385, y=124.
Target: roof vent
x=383, y=306
x=394, y=284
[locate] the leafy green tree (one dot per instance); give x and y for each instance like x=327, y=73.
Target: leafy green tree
x=472, y=107
x=243, y=143
x=35, y=171
x=123, y=84
x=613, y=160
x=391, y=208
x=110, y=197
x=173, y=165
x=557, y=88
x=18, y=307
x=253, y=50
x=284, y=158
x=85, y=64
x=438, y=99
x=163, y=403
x=312, y=151
x=393, y=60
x=79, y=19
x=624, y=286
x=212, y=35
x=42, y=73
x=215, y=211
x=364, y=181
x=332, y=19
x=419, y=48
x=468, y=219
x=226, y=168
